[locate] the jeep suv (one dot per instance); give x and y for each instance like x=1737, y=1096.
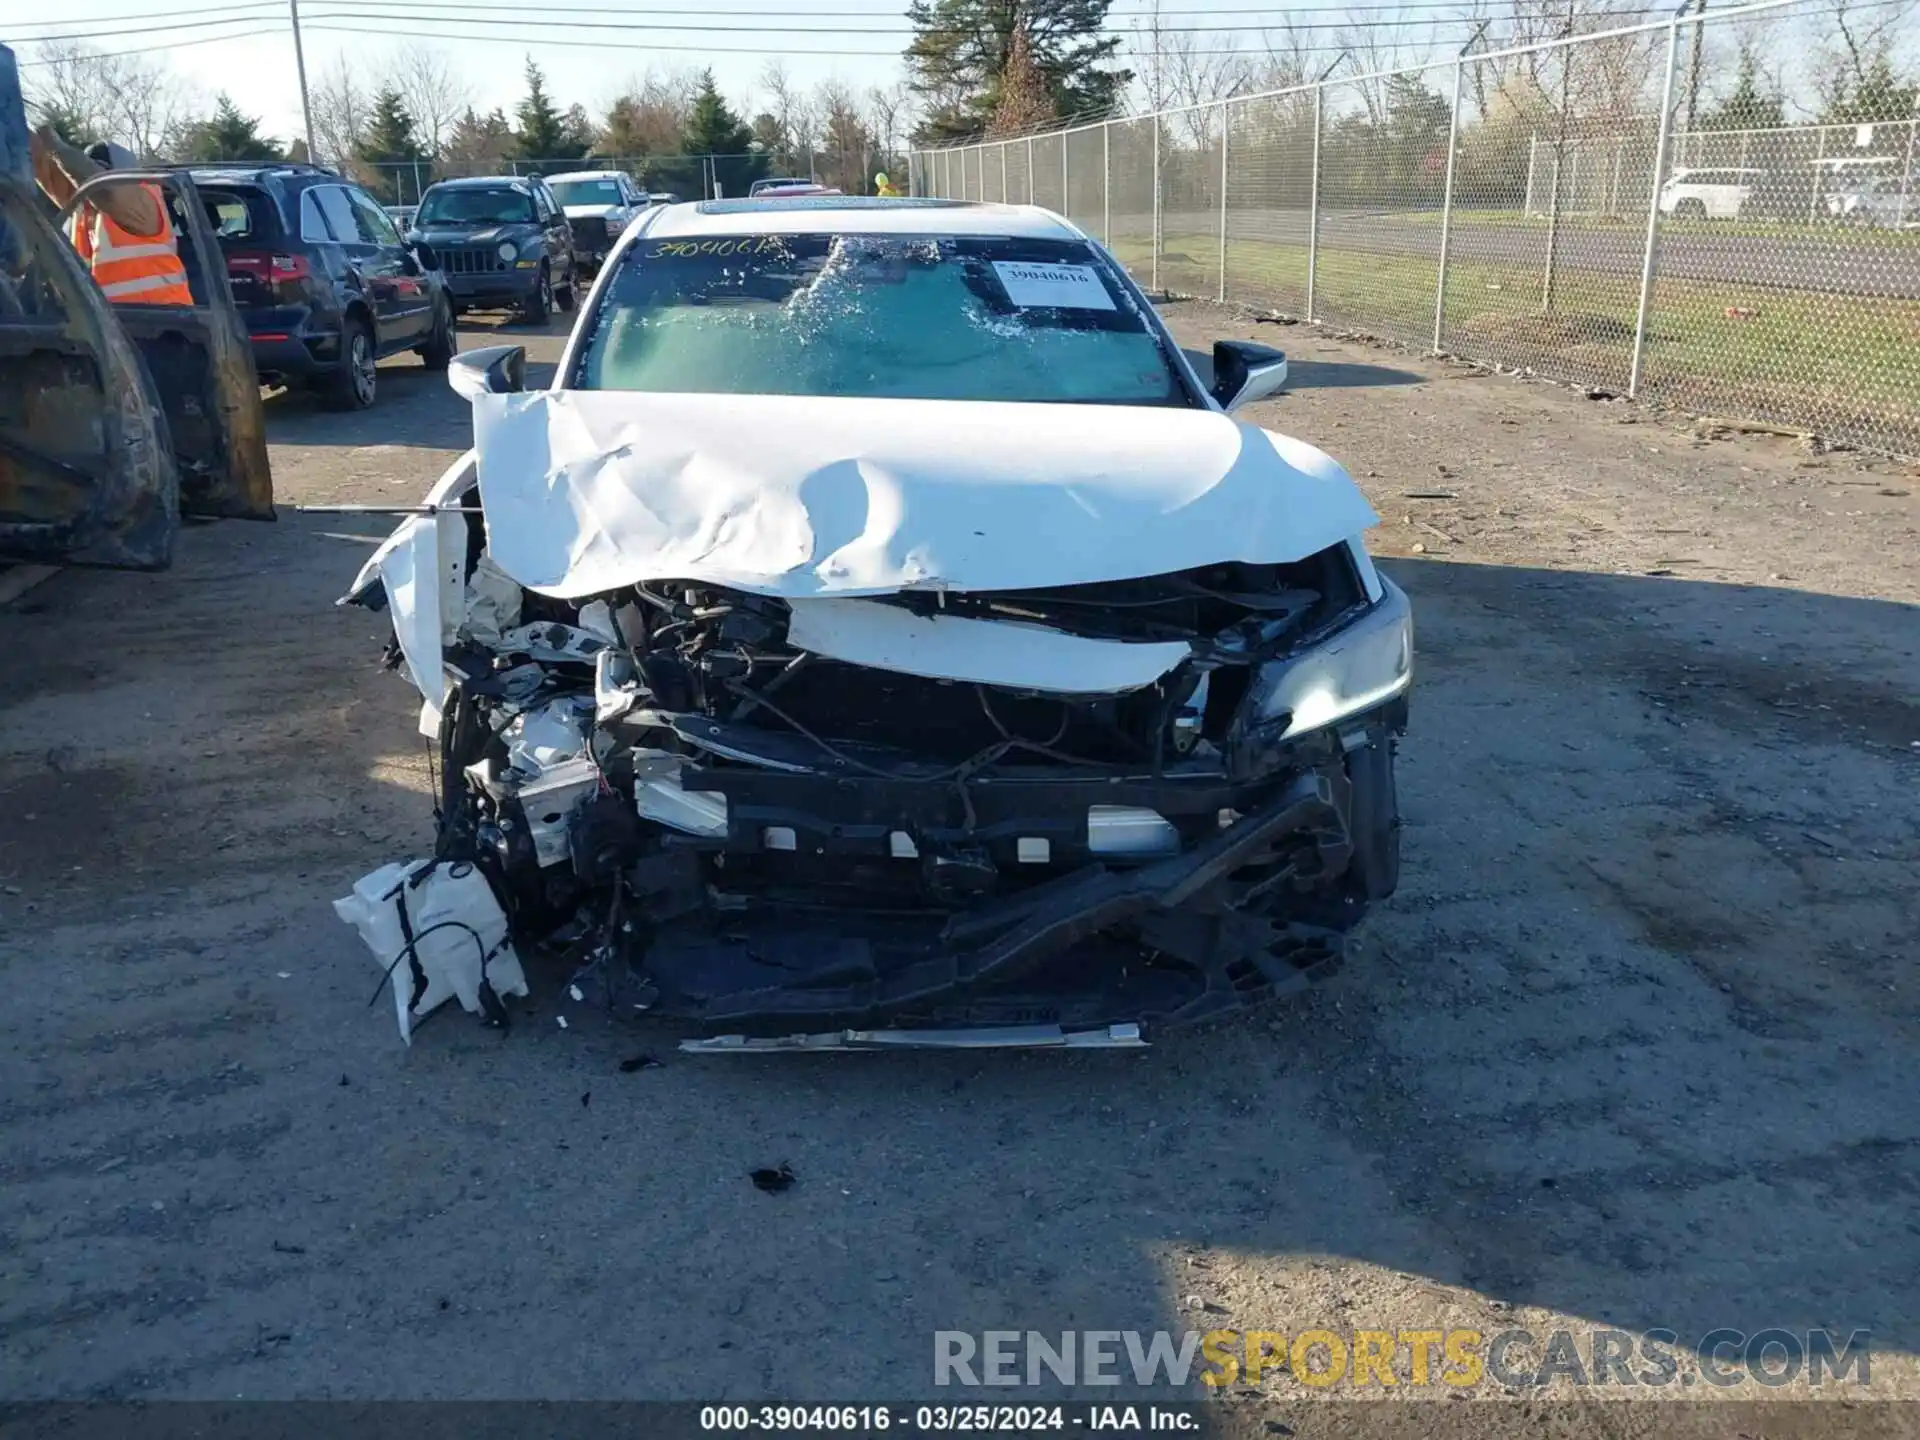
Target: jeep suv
x=323, y=279
x=503, y=241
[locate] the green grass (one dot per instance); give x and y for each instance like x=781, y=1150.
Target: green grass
x=1825, y=232
x=1847, y=366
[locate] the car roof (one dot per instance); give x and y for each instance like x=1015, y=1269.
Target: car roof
x=586, y=175
x=471, y=182
x=860, y=215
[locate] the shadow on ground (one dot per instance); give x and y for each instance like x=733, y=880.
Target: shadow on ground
x=413, y=406
x=1317, y=374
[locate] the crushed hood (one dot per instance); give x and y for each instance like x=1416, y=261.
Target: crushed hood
x=588, y=491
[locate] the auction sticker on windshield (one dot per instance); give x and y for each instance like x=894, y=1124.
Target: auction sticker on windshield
x=1058, y=287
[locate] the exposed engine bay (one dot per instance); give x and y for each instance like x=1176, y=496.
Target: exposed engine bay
x=1058, y=812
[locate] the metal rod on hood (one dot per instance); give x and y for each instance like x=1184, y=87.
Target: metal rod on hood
x=388, y=510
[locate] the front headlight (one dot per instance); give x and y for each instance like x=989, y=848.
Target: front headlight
x=508, y=250
x=1354, y=669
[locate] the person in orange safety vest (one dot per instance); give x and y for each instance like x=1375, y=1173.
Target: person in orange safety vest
x=123, y=234
x=885, y=187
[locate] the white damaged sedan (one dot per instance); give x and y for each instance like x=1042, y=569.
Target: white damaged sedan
x=879, y=635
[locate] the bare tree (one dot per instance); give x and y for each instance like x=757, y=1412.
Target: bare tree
x=149, y=99
x=341, y=108
x=887, y=109
x=797, y=116
x=434, y=94
x=1203, y=77
x=1863, y=37
x=649, y=115
x=846, y=143
x=1374, y=48
x=1288, y=60
x=133, y=100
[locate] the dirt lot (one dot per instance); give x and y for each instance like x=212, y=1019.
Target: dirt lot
x=1633, y=1047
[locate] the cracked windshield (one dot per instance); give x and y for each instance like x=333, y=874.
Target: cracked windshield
x=877, y=317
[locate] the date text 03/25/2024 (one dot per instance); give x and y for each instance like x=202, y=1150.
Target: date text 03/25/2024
x=942, y=1419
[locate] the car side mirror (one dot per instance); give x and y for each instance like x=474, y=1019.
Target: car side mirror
x=423, y=255
x=496, y=370
x=1244, y=372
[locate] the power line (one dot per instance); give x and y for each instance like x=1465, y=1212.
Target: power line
x=176, y=45
x=472, y=13
x=272, y=5
x=370, y=11
x=413, y=23
x=380, y=9
x=1277, y=18
x=417, y=13
x=143, y=30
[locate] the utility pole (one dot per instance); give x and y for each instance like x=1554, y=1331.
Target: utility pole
x=300, y=64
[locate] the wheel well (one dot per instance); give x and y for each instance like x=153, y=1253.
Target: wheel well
x=357, y=310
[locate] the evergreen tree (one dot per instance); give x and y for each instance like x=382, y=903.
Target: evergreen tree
x=959, y=53
x=1877, y=96
x=1025, y=104
x=479, y=141
x=389, y=148
x=577, y=132
x=228, y=135
x=543, y=132
x=714, y=130
x=1747, y=106
x=68, y=123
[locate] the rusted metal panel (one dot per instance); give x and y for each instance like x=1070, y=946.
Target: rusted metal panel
x=87, y=476
x=202, y=364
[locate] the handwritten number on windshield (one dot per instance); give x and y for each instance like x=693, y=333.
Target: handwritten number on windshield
x=739, y=245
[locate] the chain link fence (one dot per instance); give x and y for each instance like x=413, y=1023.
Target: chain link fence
x=690, y=177
x=1600, y=209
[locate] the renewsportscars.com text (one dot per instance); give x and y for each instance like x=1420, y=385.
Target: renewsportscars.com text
x=1387, y=1359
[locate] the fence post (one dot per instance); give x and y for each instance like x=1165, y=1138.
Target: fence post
x=1226, y=128
x=1313, y=206
x=1106, y=183
x=1559, y=159
x=1446, y=207
x=1528, y=211
x=1155, y=284
x=1906, y=172
x=1819, y=155
x=1030, y=170
x=1653, y=200
x=1065, y=208
x=1003, y=173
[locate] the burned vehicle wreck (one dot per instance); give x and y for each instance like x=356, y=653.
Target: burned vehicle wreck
x=941, y=721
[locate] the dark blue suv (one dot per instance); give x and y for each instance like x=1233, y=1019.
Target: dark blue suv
x=325, y=282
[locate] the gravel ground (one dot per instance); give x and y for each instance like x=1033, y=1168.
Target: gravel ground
x=1632, y=1048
